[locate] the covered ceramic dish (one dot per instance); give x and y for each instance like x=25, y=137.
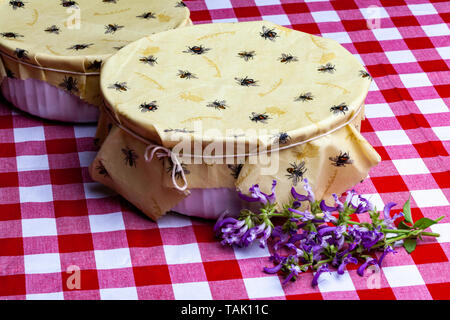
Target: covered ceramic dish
x=225, y=106
x=51, y=51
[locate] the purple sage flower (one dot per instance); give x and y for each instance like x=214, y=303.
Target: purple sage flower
x=388, y=219
x=362, y=268
x=230, y=230
x=256, y=195
x=386, y=251
x=305, y=216
x=300, y=197
x=360, y=203
x=346, y=260
x=323, y=268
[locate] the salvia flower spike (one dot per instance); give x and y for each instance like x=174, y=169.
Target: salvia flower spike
x=317, y=236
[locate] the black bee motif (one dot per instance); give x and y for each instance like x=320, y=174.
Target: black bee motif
x=146, y=107
x=186, y=75
x=281, y=138
x=365, y=74
x=118, y=48
x=147, y=15
x=259, y=117
x=268, y=33
x=102, y=170
x=296, y=172
x=17, y=4
x=197, y=50
x=246, y=55
x=10, y=74
x=78, y=47
x=119, y=86
x=68, y=3
x=21, y=53
x=307, y=96
x=341, y=160
x=329, y=68
x=287, y=58
x=70, y=84
x=342, y=108
x=53, y=29
x=246, y=82
x=95, y=65
x=218, y=104
x=235, y=169
x=130, y=157
x=178, y=174
x=110, y=1
x=112, y=28
x=11, y=35
x=180, y=4
x=151, y=60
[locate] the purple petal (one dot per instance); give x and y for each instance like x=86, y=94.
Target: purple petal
x=387, y=209
x=323, y=268
x=247, y=198
x=324, y=207
x=298, y=196
x=274, y=269
x=363, y=267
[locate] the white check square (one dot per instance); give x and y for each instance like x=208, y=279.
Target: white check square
x=192, y=291
x=84, y=131
x=113, y=258
x=393, y=137
x=42, y=263
x=443, y=133
x=332, y=282
x=436, y=30
x=280, y=19
x=378, y=110
x=414, y=80
x=29, y=134
x=266, y=2
x=228, y=20
x=429, y=198
x=431, y=106
x=374, y=12
x=422, y=9
x=222, y=4
x=444, y=52
x=403, y=276
x=119, y=294
x=410, y=166
x=387, y=34
x=263, y=287
x=46, y=296
x=180, y=254
x=106, y=222
x=41, y=193
x=444, y=230
x=325, y=16
x=341, y=37
x=173, y=220
x=32, y=163
x=252, y=251
x=39, y=227
x=86, y=158
x=401, y=56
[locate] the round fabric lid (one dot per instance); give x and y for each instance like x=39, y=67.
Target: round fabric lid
x=71, y=35
x=234, y=76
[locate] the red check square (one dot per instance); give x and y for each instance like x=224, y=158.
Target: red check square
x=151, y=275
x=222, y=270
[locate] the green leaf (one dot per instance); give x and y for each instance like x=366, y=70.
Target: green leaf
x=410, y=244
x=402, y=225
x=407, y=211
x=424, y=223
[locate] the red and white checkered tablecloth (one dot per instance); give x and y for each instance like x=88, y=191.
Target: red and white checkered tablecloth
x=54, y=220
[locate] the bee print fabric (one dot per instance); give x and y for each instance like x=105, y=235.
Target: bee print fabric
x=76, y=36
x=283, y=85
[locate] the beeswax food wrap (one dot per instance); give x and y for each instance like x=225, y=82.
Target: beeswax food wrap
x=64, y=43
x=273, y=88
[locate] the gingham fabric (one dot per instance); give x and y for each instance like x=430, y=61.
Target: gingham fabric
x=54, y=220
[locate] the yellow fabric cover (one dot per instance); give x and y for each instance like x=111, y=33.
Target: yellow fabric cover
x=249, y=76
x=76, y=36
